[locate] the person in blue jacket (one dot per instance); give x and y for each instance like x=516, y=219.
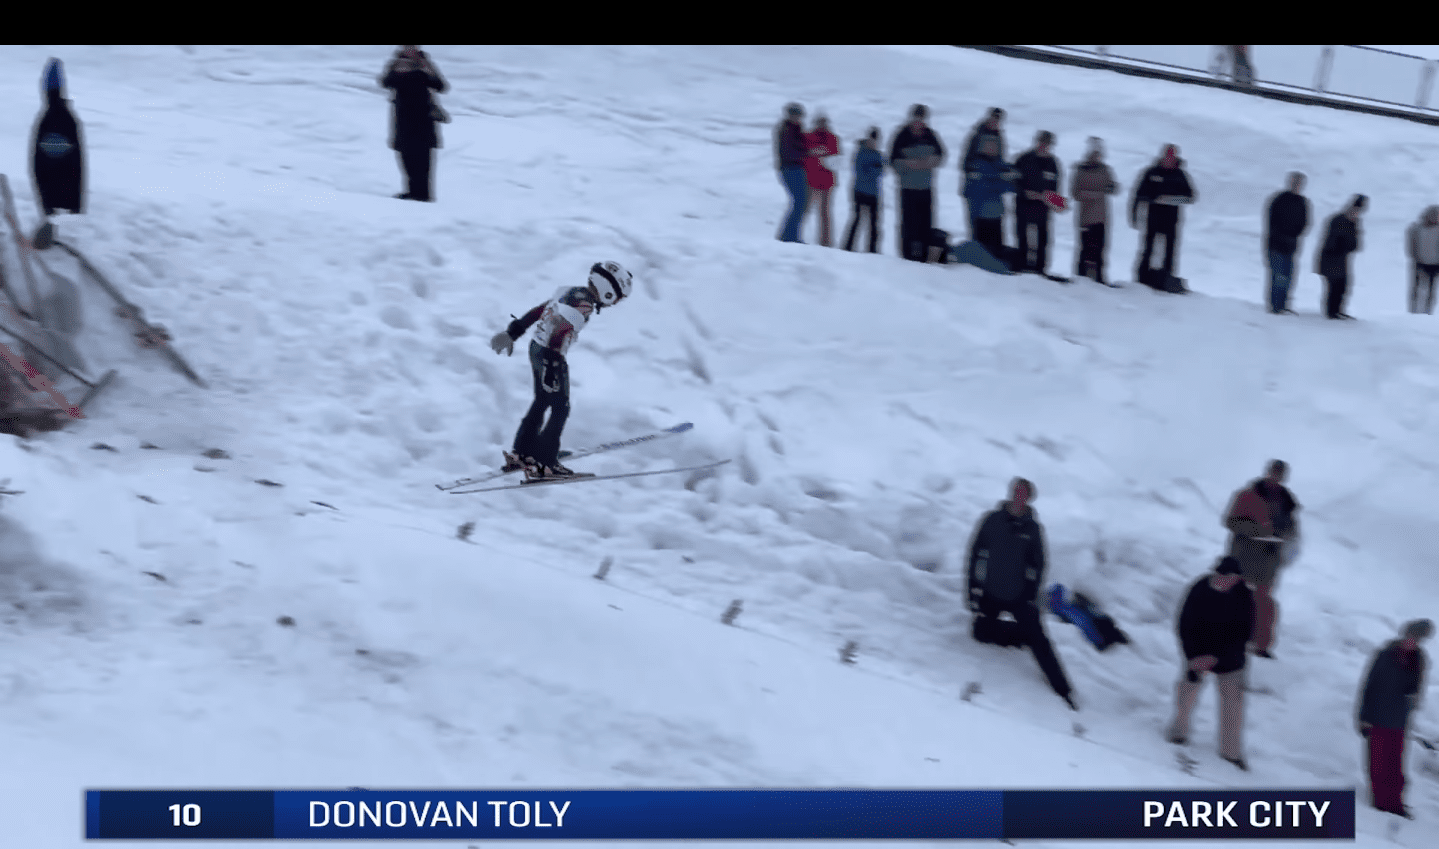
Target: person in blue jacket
x=868, y=172
x=987, y=180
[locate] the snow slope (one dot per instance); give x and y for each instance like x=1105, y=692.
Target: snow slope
x=873, y=409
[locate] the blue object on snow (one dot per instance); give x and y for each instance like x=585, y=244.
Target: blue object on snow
x=1079, y=611
x=54, y=76
x=979, y=256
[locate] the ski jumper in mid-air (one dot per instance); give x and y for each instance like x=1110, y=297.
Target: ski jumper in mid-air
x=560, y=319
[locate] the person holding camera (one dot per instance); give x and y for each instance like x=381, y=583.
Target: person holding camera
x=1215, y=624
x=413, y=135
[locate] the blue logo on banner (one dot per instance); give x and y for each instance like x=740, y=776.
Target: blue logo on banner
x=55, y=145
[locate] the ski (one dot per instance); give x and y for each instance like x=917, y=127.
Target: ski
x=574, y=455
x=544, y=482
x=1057, y=278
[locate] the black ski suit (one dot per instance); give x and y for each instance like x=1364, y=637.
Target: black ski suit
x=1161, y=219
x=1038, y=172
x=1006, y=573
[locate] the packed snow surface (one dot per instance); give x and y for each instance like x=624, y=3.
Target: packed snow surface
x=170, y=622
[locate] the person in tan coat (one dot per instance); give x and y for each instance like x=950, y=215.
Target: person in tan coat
x=1264, y=535
x=1091, y=185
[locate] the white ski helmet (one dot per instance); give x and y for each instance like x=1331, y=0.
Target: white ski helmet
x=611, y=281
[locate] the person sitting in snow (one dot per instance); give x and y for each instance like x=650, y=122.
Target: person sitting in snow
x=1393, y=687
x=1006, y=575
x=1214, y=625
x=536, y=448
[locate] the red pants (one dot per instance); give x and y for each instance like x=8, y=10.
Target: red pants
x=1386, y=768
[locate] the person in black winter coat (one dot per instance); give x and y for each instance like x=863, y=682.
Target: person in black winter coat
x=1038, y=177
x=916, y=151
x=1341, y=238
x=1161, y=190
x=1286, y=220
x=1006, y=574
x=989, y=128
x=413, y=134
x=57, y=158
x=1393, y=687
x=1215, y=624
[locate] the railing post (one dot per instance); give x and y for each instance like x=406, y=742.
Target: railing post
x=1321, y=74
x=1426, y=83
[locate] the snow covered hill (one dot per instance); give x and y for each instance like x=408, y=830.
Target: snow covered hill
x=169, y=621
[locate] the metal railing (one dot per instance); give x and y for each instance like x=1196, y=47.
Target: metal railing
x=1348, y=71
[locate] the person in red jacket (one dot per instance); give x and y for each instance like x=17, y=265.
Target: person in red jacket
x=821, y=144
x=1264, y=536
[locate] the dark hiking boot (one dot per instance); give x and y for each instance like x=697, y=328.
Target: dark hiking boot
x=1177, y=739
x=1264, y=653
x=1239, y=762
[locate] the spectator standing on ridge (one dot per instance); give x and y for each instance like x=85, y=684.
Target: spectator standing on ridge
x=821, y=144
x=868, y=173
x=1214, y=625
x=1393, y=687
x=57, y=156
x=1286, y=220
x=789, y=156
x=1342, y=237
x=1006, y=575
x=1091, y=185
x=914, y=154
x=1423, y=245
x=413, y=134
x=1243, y=71
x=1264, y=536
x=1161, y=190
x=988, y=128
x=1038, y=182
x=987, y=180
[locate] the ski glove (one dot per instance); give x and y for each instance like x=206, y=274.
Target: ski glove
x=503, y=343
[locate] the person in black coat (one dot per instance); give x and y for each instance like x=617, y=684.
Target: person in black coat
x=1038, y=178
x=1341, y=238
x=1393, y=686
x=1215, y=624
x=1006, y=574
x=914, y=154
x=1286, y=220
x=57, y=160
x=411, y=76
x=991, y=128
x=1161, y=190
